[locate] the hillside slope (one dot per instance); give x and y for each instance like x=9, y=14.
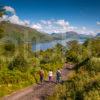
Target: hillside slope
x=70, y=34
x=22, y=33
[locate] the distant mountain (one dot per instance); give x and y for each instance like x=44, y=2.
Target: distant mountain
x=14, y=32
x=57, y=36
x=98, y=34
x=70, y=34
x=20, y=34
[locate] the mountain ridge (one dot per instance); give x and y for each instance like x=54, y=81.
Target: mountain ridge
x=70, y=34
x=25, y=33
x=98, y=34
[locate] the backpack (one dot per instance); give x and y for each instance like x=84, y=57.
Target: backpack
x=41, y=73
x=58, y=73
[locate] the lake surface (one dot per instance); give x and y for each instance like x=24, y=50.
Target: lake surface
x=45, y=46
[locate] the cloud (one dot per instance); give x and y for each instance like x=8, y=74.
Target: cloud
x=13, y=18
x=47, y=26
x=98, y=23
x=59, y=26
x=26, y=22
x=16, y=20
x=84, y=28
x=9, y=9
x=62, y=23
x=36, y=26
x=46, y=22
x=53, y=26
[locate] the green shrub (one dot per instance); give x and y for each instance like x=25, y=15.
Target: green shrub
x=19, y=63
x=93, y=64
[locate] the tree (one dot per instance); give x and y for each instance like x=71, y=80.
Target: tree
x=19, y=63
x=73, y=44
x=74, y=51
x=93, y=46
x=34, y=72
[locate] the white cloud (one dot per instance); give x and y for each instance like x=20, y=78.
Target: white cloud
x=84, y=28
x=27, y=22
x=47, y=26
x=46, y=22
x=16, y=20
x=59, y=26
x=10, y=9
x=98, y=22
x=36, y=26
x=52, y=26
x=62, y=23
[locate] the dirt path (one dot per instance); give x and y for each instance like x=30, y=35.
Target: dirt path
x=38, y=92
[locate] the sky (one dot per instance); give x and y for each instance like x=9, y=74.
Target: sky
x=55, y=16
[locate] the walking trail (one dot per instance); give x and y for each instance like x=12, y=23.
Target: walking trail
x=40, y=91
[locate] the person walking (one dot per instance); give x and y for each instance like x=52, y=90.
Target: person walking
x=58, y=75
x=41, y=74
x=50, y=75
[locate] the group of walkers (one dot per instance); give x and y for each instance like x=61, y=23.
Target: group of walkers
x=50, y=75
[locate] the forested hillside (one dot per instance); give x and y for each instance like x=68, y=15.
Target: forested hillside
x=20, y=33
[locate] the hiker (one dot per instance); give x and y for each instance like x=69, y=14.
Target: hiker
x=50, y=75
x=58, y=75
x=41, y=74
